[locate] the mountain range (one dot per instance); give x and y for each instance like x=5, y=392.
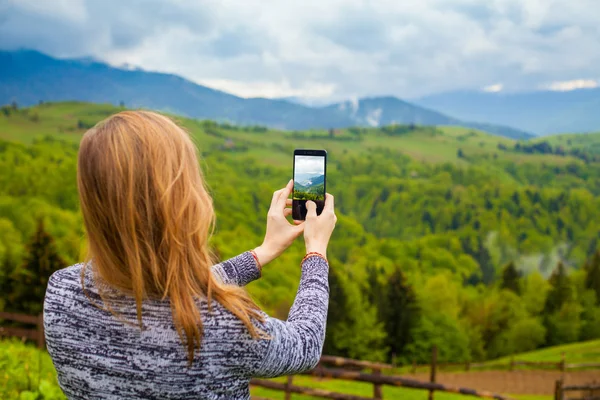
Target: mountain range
x=541, y=112
x=28, y=77
x=310, y=181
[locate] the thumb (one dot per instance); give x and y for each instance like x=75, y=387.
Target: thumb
x=298, y=229
x=311, y=209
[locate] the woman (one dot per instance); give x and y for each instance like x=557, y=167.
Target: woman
x=146, y=316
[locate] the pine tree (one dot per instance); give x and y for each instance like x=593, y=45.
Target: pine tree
x=510, y=278
x=592, y=278
x=337, y=314
x=374, y=289
x=483, y=257
x=6, y=268
x=400, y=312
x=561, y=291
x=30, y=281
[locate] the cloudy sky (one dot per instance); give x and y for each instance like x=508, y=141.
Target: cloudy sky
x=308, y=166
x=325, y=49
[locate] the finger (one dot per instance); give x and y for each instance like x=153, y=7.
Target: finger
x=298, y=222
x=329, y=202
x=288, y=202
x=311, y=208
x=284, y=194
x=287, y=212
x=299, y=228
x=276, y=195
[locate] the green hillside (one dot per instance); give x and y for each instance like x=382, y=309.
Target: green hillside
x=69, y=120
x=463, y=228
x=582, y=352
x=587, y=142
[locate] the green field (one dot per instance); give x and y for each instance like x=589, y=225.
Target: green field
x=582, y=352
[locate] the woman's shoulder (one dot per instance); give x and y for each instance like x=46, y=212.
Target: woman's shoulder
x=67, y=276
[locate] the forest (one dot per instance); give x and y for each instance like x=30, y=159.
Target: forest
x=441, y=238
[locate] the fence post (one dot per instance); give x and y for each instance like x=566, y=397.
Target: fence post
x=468, y=366
x=319, y=371
x=377, y=394
x=563, y=364
x=414, y=366
x=558, y=390
x=41, y=340
x=288, y=392
x=434, y=354
x=512, y=363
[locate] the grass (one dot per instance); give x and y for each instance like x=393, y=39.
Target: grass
x=26, y=372
x=581, y=352
x=575, y=353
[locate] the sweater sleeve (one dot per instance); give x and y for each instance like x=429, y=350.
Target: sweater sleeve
x=295, y=345
x=239, y=270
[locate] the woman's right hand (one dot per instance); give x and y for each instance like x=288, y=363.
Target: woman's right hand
x=318, y=229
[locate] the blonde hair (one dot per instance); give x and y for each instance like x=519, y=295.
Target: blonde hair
x=148, y=217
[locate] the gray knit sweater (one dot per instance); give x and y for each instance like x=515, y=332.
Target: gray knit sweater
x=98, y=356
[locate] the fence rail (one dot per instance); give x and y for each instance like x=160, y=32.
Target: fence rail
x=348, y=362
x=36, y=333
x=591, y=391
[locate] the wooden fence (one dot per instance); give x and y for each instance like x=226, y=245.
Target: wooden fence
x=375, y=377
x=36, y=334
x=590, y=391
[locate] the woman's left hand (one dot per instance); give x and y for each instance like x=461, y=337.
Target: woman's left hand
x=280, y=232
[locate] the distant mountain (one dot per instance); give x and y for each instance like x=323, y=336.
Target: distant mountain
x=317, y=180
x=542, y=112
x=28, y=77
x=308, y=182
x=380, y=111
x=307, y=101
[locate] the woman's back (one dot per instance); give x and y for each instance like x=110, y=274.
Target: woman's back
x=99, y=356
x=148, y=219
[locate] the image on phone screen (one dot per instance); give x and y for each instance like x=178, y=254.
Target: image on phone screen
x=309, y=181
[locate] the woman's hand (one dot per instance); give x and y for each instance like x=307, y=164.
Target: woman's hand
x=280, y=233
x=318, y=229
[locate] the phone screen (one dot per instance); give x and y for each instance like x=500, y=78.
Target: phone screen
x=309, y=181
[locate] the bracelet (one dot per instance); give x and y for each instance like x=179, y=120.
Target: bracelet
x=258, y=264
x=313, y=254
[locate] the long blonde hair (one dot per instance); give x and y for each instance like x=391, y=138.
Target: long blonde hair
x=149, y=217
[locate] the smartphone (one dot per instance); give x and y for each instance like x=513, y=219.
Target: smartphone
x=310, y=171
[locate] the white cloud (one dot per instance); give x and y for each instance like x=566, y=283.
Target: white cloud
x=72, y=10
x=565, y=86
x=497, y=87
x=373, y=117
x=313, y=165
x=323, y=48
